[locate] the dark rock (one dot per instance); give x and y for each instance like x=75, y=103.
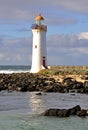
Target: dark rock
x=50, y=112
x=86, y=84
x=74, y=110
x=38, y=82
x=86, y=112
x=81, y=113
x=68, y=81
x=85, y=77
x=62, y=112
x=39, y=93
x=56, y=112
x=78, y=85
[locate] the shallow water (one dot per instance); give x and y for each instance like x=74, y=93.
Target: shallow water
x=21, y=111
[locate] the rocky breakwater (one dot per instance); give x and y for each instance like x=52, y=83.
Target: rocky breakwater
x=77, y=111
x=28, y=82
x=39, y=82
x=71, y=84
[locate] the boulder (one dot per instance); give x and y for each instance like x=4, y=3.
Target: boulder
x=86, y=112
x=68, y=81
x=74, y=110
x=56, y=112
x=38, y=82
x=86, y=84
x=39, y=93
x=82, y=113
x=50, y=112
x=62, y=112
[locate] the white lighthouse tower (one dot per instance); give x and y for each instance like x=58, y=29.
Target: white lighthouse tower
x=39, y=59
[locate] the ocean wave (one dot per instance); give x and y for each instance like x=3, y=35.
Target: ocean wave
x=8, y=69
x=13, y=71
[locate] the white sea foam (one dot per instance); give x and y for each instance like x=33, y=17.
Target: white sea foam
x=14, y=69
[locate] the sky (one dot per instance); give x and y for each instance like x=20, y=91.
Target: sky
x=67, y=34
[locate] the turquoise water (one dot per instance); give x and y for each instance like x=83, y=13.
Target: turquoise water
x=30, y=122
x=21, y=111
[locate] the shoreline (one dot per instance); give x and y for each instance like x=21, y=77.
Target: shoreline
x=44, y=82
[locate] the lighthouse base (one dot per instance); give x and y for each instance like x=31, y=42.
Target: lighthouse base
x=36, y=70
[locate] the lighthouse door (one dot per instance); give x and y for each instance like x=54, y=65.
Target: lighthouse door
x=44, y=61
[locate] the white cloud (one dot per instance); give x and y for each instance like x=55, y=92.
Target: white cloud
x=16, y=51
x=67, y=50
x=82, y=50
x=61, y=49
x=80, y=6
x=67, y=41
x=26, y=10
x=83, y=35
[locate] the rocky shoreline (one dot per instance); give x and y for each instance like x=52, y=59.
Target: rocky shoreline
x=43, y=83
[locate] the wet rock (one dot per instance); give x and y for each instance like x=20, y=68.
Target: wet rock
x=74, y=110
x=39, y=93
x=56, y=112
x=62, y=112
x=81, y=113
x=87, y=112
x=50, y=112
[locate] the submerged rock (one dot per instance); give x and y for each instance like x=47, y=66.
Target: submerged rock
x=39, y=93
x=66, y=112
x=74, y=110
x=82, y=113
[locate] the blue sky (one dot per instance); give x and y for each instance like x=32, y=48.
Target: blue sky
x=67, y=35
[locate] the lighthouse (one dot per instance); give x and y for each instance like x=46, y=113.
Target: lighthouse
x=39, y=59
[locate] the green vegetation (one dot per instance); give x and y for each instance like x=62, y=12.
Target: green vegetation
x=64, y=70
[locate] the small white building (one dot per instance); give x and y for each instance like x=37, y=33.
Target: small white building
x=39, y=54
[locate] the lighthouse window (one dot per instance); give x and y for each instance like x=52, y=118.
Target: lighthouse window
x=35, y=46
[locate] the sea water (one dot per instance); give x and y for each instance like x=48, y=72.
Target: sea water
x=14, y=68
x=22, y=111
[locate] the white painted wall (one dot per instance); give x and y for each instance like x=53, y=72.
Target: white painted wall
x=38, y=49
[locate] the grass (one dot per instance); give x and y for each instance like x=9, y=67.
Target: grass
x=65, y=70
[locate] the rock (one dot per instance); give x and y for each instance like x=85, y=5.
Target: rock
x=39, y=93
x=82, y=113
x=68, y=81
x=56, y=112
x=74, y=110
x=62, y=112
x=38, y=82
x=50, y=112
x=78, y=85
x=86, y=84
x=86, y=112
x=85, y=77
x=85, y=87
